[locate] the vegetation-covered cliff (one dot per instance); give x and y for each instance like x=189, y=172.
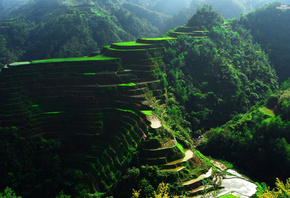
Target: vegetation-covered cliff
x=128, y=117
x=217, y=77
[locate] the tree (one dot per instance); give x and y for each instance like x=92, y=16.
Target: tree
x=205, y=17
x=281, y=191
x=8, y=193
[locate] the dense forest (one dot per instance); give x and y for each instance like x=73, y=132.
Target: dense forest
x=259, y=136
x=62, y=23
x=273, y=37
x=73, y=29
x=228, y=91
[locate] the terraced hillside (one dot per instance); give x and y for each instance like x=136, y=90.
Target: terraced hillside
x=195, y=32
x=101, y=108
x=95, y=100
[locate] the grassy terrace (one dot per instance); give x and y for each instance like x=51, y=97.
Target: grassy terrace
x=131, y=43
x=185, y=33
x=130, y=50
x=157, y=39
x=127, y=85
x=200, y=31
x=58, y=60
x=177, y=169
x=147, y=112
x=188, y=156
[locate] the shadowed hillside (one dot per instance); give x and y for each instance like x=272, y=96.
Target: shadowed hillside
x=124, y=118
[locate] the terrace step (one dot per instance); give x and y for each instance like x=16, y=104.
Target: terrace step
x=131, y=45
x=177, y=169
x=187, y=157
x=188, y=29
x=201, y=177
x=157, y=41
x=200, y=189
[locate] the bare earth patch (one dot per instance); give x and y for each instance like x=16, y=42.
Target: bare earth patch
x=155, y=122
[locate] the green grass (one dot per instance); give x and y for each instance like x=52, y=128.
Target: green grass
x=57, y=60
x=89, y=74
x=127, y=85
x=56, y=112
x=149, y=113
x=229, y=196
x=124, y=110
x=180, y=147
x=129, y=50
x=267, y=111
x=202, y=158
x=158, y=39
x=131, y=43
x=185, y=33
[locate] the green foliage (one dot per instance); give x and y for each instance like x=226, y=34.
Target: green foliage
x=8, y=193
x=282, y=190
x=267, y=25
x=33, y=168
x=286, y=84
x=255, y=142
x=70, y=30
x=62, y=195
x=227, y=8
x=205, y=17
x=215, y=78
x=229, y=196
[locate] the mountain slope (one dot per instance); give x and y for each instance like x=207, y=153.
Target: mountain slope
x=221, y=73
x=258, y=142
x=227, y=8
x=270, y=28
x=46, y=29
x=125, y=119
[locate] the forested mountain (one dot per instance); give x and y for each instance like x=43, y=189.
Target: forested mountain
x=258, y=141
x=7, y=6
x=72, y=28
x=86, y=126
x=228, y=68
x=25, y=24
x=227, y=8
x=270, y=28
